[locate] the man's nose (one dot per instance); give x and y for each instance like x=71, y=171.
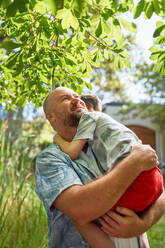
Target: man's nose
x=75, y=100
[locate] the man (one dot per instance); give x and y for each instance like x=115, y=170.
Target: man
x=68, y=189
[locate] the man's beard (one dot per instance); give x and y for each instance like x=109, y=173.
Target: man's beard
x=73, y=120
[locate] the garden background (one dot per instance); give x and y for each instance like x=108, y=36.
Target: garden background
x=89, y=46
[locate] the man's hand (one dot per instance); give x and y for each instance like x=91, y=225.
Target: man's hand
x=145, y=155
x=123, y=223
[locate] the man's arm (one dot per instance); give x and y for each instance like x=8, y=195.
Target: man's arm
x=125, y=223
x=153, y=214
x=88, y=202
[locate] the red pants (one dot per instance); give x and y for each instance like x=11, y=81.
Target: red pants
x=144, y=191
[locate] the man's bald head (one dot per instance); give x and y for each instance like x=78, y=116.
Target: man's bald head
x=48, y=103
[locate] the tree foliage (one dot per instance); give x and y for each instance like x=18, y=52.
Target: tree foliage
x=57, y=42
x=154, y=89
x=107, y=80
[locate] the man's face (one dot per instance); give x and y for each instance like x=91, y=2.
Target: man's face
x=67, y=106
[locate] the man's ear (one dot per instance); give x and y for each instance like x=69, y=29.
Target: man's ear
x=50, y=117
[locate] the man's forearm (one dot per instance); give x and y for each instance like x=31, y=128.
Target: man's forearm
x=153, y=214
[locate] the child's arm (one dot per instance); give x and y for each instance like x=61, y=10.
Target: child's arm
x=94, y=236
x=72, y=148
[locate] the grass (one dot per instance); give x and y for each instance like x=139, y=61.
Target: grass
x=23, y=221
x=156, y=234
x=22, y=217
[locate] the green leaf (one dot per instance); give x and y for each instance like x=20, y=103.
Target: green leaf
x=5, y=3
x=73, y=87
x=11, y=61
x=159, y=30
x=107, y=13
x=43, y=78
x=106, y=28
x=19, y=66
x=162, y=70
x=19, y=19
x=118, y=63
x=154, y=56
x=59, y=4
x=138, y=9
x=149, y=10
x=10, y=45
x=116, y=30
x=156, y=7
x=74, y=22
x=11, y=10
x=127, y=63
x=33, y=48
x=155, y=49
x=41, y=7
x=123, y=54
x=67, y=19
x=161, y=56
x=89, y=86
x=159, y=23
x=21, y=5
x=120, y=43
x=69, y=61
x=106, y=54
x=129, y=26
x=160, y=40
x=61, y=13
x=98, y=31
x=88, y=72
x=156, y=67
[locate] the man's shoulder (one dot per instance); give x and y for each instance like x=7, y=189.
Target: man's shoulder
x=48, y=150
x=50, y=153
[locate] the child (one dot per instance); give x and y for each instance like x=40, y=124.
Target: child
x=111, y=142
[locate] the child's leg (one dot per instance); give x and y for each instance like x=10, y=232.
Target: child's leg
x=144, y=191
x=94, y=236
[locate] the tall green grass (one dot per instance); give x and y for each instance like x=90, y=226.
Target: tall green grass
x=22, y=216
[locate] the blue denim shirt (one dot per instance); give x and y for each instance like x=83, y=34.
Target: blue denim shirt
x=55, y=172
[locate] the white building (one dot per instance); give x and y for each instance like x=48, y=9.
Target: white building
x=147, y=131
